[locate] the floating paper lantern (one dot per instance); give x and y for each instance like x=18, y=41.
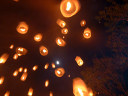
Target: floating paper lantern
x=24, y=76
x=25, y=70
x=22, y=28
x=46, y=83
x=11, y=47
x=87, y=33
x=69, y=76
x=7, y=93
x=60, y=42
x=30, y=92
x=38, y=37
x=15, y=73
x=20, y=69
x=15, y=57
x=51, y=94
x=35, y=68
x=46, y=66
x=1, y=80
x=64, y=31
x=59, y=72
x=21, y=51
x=61, y=23
x=53, y=65
x=69, y=8
x=79, y=61
x=43, y=51
x=3, y=58
x=83, y=23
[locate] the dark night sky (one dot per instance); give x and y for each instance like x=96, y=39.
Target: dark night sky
x=41, y=16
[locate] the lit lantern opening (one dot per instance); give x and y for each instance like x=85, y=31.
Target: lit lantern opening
x=59, y=72
x=22, y=28
x=69, y=8
x=7, y=93
x=35, y=68
x=83, y=23
x=24, y=76
x=20, y=69
x=79, y=61
x=38, y=37
x=15, y=73
x=43, y=51
x=46, y=66
x=11, y=47
x=4, y=58
x=21, y=51
x=1, y=80
x=30, y=92
x=64, y=31
x=60, y=42
x=46, y=83
x=61, y=23
x=15, y=57
x=87, y=33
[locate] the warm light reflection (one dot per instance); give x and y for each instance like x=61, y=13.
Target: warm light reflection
x=87, y=33
x=22, y=28
x=59, y=72
x=24, y=76
x=11, y=47
x=83, y=23
x=4, y=58
x=7, y=93
x=51, y=94
x=60, y=42
x=15, y=73
x=53, y=65
x=30, y=92
x=46, y=66
x=38, y=37
x=20, y=69
x=46, y=83
x=69, y=8
x=61, y=23
x=35, y=68
x=15, y=57
x=64, y=31
x=79, y=61
x=1, y=80
x=25, y=70
x=21, y=51
x=43, y=51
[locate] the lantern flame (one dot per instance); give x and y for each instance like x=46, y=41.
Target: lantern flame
x=20, y=69
x=30, y=92
x=68, y=6
x=1, y=80
x=46, y=83
x=11, y=47
x=46, y=66
x=53, y=65
x=15, y=57
x=15, y=73
x=35, y=68
x=25, y=70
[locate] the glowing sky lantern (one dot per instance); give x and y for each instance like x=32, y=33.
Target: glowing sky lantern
x=4, y=58
x=30, y=92
x=69, y=8
x=83, y=23
x=53, y=65
x=79, y=61
x=87, y=33
x=11, y=46
x=38, y=37
x=15, y=73
x=35, y=68
x=15, y=56
x=25, y=70
x=24, y=76
x=60, y=42
x=22, y=28
x=51, y=94
x=7, y=93
x=59, y=72
x=64, y=31
x=46, y=83
x=61, y=23
x=1, y=80
x=79, y=88
x=46, y=66
x=20, y=69
x=43, y=51
x=21, y=51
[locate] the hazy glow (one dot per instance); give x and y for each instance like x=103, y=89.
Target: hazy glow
x=57, y=62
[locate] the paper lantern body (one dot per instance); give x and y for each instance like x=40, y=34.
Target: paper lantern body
x=79, y=61
x=87, y=33
x=59, y=72
x=60, y=42
x=43, y=51
x=38, y=37
x=22, y=28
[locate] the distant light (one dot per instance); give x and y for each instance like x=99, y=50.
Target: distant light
x=57, y=62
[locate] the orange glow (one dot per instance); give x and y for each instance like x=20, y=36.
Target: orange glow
x=22, y=28
x=46, y=66
x=25, y=70
x=15, y=73
x=21, y=51
x=51, y=94
x=11, y=47
x=3, y=58
x=35, y=68
x=87, y=33
x=79, y=88
x=64, y=31
x=79, y=61
x=16, y=0
x=59, y=72
x=53, y=65
x=61, y=23
x=43, y=51
x=24, y=76
x=83, y=23
x=69, y=8
x=60, y=42
x=15, y=57
x=20, y=69
x=46, y=83
x=1, y=80
x=7, y=93
x=30, y=92
x=38, y=37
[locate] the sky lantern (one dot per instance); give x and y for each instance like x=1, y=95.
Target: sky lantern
x=24, y=76
x=25, y=70
x=64, y=31
x=20, y=69
x=83, y=23
x=35, y=68
x=15, y=56
x=7, y=93
x=87, y=33
x=46, y=66
x=38, y=37
x=51, y=94
x=60, y=42
x=4, y=58
x=69, y=8
x=15, y=73
x=30, y=92
x=22, y=28
x=43, y=51
x=53, y=65
x=61, y=23
x=1, y=80
x=79, y=61
x=11, y=46
x=21, y=51
x=59, y=72
x=46, y=83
